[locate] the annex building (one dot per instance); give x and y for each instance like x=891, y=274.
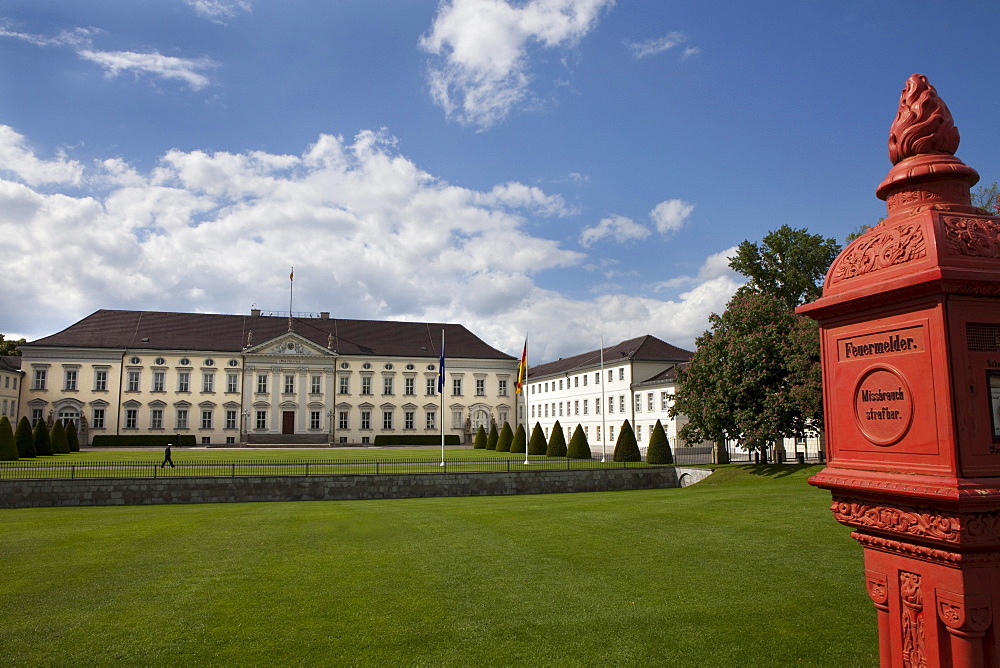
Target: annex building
x=263, y=378
x=634, y=380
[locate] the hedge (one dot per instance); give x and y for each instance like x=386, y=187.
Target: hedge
x=24, y=439
x=519, y=443
x=626, y=449
x=579, y=448
x=536, y=444
x=557, y=442
x=144, y=441
x=506, y=436
x=479, y=442
x=659, y=451
x=8, y=450
x=416, y=439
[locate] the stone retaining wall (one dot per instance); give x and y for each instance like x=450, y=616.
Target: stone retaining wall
x=114, y=492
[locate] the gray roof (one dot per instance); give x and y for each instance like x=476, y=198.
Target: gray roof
x=228, y=333
x=640, y=349
x=10, y=362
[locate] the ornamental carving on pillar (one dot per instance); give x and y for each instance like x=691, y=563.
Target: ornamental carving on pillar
x=972, y=236
x=923, y=123
x=914, y=648
x=877, y=585
x=897, y=520
x=881, y=248
x=969, y=614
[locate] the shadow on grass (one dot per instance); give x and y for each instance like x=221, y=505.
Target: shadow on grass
x=778, y=470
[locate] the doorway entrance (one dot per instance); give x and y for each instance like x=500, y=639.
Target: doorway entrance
x=288, y=422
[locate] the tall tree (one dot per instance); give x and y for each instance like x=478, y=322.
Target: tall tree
x=24, y=439
x=57, y=437
x=72, y=437
x=659, y=451
x=537, y=445
x=506, y=437
x=788, y=265
x=557, y=442
x=626, y=448
x=43, y=444
x=8, y=449
x=492, y=437
x=479, y=441
x=579, y=448
x=10, y=347
x=520, y=442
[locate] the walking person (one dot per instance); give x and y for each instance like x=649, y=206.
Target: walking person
x=166, y=458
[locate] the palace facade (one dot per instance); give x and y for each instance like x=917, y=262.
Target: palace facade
x=264, y=379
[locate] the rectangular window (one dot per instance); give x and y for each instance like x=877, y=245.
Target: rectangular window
x=503, y=416
x=576, y=381
x=289, y=384
x=386, y=419
x=232, y=383
x=585, y=405
x=386, y=384
x=208, y=382
x=431, y=387
x=576, y=408
x=585, y=380
x=101, y=381
x=131, y=418
x=545, y=387
x=611, y=375
x=621, y=373
x=546, y=410
x=638, y=403
x=184, y=381
x=598, y=431
x=342, y=422
x=4, y=406
x=38, y=380
x=532, y=411
x=480, y=387
x=36, y=415
x=456, y=387
x=663, y=401
x=230, y=418
x=611, y=405
x=597, y=406
x=262, y=383
x=260, y=421
x=98, y=421
x=649, y=402
x=316, y=385
x=408, y=419
x=366, y=419
x=597, y=378
x=366, y=384
x=345, y=384
x=132, y=383
x=456, y=419
x=70, y=384
x=15, y=383
x=182, y=418
x=314, y=420
x=611, y=433
x=560, y=409
x=206, y=419
x=159, y=381
x=638, y=432
x=502, y=387
x=430, y=420
x=156, y=418
x=621, y=404
x=560, y=383
x=409, y=386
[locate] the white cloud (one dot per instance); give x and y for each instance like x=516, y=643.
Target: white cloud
x=714, y=267
x=651, y=47
x=186, y=70
x=619, y=228
x=670, y=215
x=218, y=9
x=369, y=233
x=690, y=51
x=482, y=67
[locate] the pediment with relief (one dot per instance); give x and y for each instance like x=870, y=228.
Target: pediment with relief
x=288, y=345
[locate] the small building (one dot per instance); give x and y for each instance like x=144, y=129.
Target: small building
x=635, y=381
x=262, y=378
x=10, y=387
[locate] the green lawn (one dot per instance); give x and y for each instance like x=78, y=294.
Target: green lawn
x=745, y=568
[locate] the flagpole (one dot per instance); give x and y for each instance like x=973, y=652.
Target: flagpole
x=524, y=390
x=441, y=392
x=291, y=286
x=604, y=409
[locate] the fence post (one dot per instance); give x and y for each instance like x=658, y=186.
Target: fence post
x=154, y=472
x=307, y=468
x=232, y=471
x=72, y=471
x=376, y=467
x=508, y=466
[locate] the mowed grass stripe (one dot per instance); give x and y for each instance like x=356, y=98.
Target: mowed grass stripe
x=746, y=568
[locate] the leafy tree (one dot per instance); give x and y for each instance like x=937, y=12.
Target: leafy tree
x=578, y=448
x=8, y=449
x=57, y=437
x=24, y=439
x=72, y=437
x=506, y=436
x=520, y=442
x=987, y=198
x=10, y=347
x=557, y=442
x=789, y=265
x=493, y=438
x=659, y=451
x=43, y=443
x=861, y=229
x=537, y=445
x=626, y=448
x=479, y=442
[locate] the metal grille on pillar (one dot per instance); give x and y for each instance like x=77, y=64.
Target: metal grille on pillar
x=910, y=335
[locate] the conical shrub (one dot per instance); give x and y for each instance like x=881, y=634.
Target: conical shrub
x=578, y=448
x=659, y=452
x=479, y=442
x=491, y=440
x=557, y=442
x=57, y=436
x=506, y=436
x=43, y=443
x=72, y=437
x=626, y=449
x=8, y=450
x=24, y=439
x=520, y=442
x=537, y=444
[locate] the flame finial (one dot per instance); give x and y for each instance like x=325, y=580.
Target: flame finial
x=923, y=124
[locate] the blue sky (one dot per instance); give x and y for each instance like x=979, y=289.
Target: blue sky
x=565, y=169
